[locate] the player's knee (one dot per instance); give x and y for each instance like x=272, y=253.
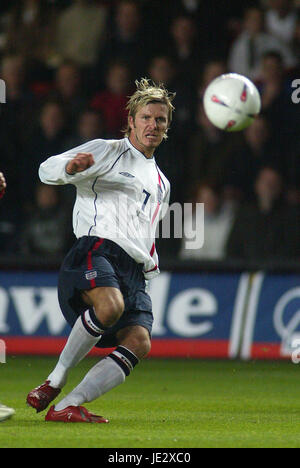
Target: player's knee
x=109, y=311
x=145, y=348
x=140, y=345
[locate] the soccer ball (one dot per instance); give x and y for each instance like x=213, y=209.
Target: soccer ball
x=231, y=102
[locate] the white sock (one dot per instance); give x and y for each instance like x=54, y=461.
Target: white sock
x=103, y=377
x=79, y=344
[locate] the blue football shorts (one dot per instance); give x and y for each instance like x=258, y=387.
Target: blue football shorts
x=93, y=262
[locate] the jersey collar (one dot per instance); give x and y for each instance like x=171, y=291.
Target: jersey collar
x=137, y=152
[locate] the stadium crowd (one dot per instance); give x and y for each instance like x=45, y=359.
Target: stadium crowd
x=69, y=66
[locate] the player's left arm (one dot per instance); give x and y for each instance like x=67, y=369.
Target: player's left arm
x=2, y=185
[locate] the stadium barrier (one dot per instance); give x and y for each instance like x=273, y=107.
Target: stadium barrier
x=206, y=314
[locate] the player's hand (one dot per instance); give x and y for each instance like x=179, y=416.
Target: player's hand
x=80, y=163
x=2, y=182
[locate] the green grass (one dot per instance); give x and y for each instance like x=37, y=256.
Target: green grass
x=164, y=404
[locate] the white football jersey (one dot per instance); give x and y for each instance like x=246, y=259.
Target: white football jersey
x=121, y=197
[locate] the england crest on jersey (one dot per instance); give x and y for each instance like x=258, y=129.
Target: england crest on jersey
x=91, y=275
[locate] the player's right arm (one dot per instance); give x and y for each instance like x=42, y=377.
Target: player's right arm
x=75, y=165
x=80, y=163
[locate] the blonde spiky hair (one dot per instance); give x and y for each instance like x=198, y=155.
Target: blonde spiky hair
x=148, y=92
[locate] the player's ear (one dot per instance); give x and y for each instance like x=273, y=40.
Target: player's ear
x=131, y=122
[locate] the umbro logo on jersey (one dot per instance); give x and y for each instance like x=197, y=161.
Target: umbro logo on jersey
x=126, y=174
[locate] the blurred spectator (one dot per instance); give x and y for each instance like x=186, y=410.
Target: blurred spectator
x=30, y=31
x=218, y=218
x=18, y=96
x=68, y=90
x=293, y=176
x=111, y=102
x=46, y=231
x=10, y=208
x=126, y=41
x=90, y=127
x=185, y=48
x=188, y=6
x=208, y=150
x=281, y=18
x=15, y=124
x=13, y=73
x=162, y=69
x=50, y=134
x=157, y=16
x=296, y=41
x=80, y=32
x=5, y=8
x=245, y=160
x=211, y=70
x=268, y=228
x=250, y=46
x=47, y=139
x=277, y=104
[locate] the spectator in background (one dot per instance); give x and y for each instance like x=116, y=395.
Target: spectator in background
x=9, y=220
x=68, y=90
x=80, y=32
x=30, y=32
x=218, y=218
x=46, y=231
x=277, y=104
x=267, y=229
x=112, y=101
x=296, y=45
x=254, y=151
x=211, y=70
x=127, y=41
x=156, y=15
x=48, y=137
x=15, y=124
x=5, y=8
x=162, y=69
x=281, y=19
x=90, y=126
x=19, y=99
x=248, y=49
x=185, y=48
x=191, y=7
x=208, y=150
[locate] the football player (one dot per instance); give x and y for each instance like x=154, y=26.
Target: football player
x=121, y=196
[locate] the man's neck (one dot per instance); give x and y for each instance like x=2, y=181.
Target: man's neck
x=147, y=154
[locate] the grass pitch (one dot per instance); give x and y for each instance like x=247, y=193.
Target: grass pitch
x=164, y=404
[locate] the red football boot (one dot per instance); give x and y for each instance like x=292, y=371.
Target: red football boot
x=74, y=414
x=40, y=397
